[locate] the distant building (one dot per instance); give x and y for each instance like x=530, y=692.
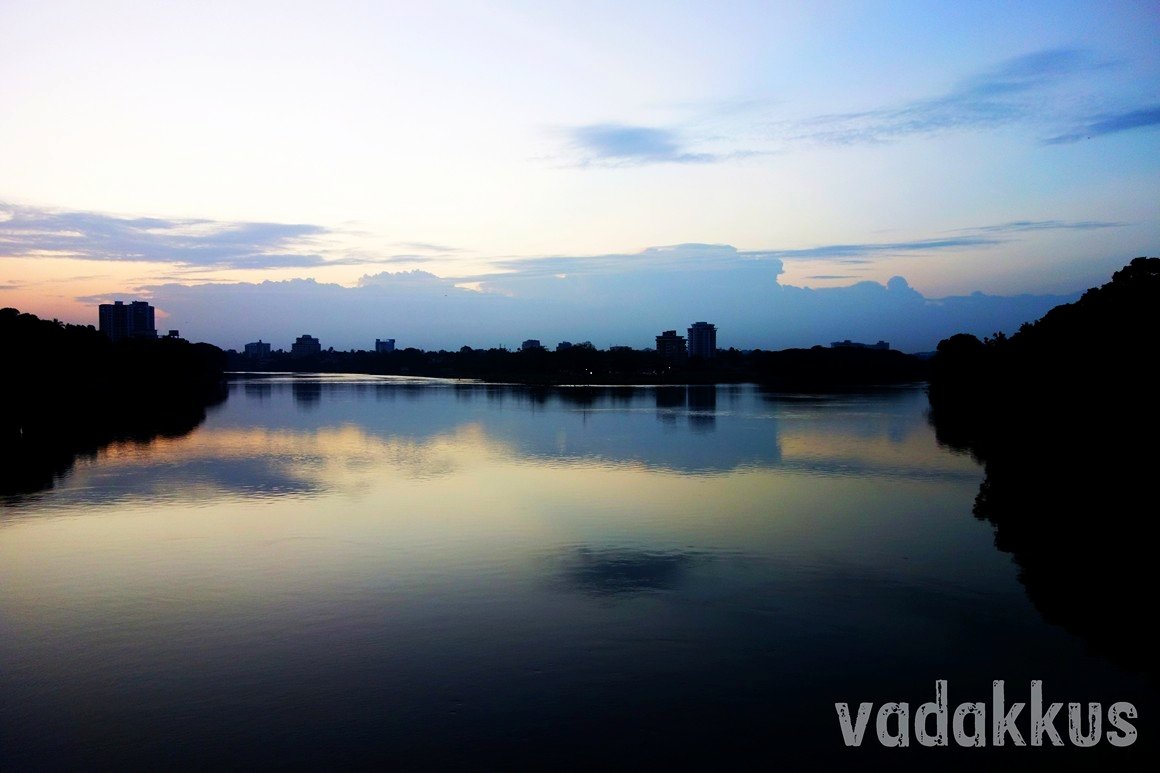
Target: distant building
x=119, y=321
x=848, y=344
x=671, y=346
x=173, y=334
x=385, y=346
x=305, y=346
x=703, y=340
x=621, y=348
x=259, y=350
x=531, y=345
x=563, y=346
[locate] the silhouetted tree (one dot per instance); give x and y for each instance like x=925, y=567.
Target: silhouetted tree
x=1063, y=414
x=68, y=390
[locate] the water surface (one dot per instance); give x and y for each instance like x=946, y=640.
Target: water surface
x=356, y=571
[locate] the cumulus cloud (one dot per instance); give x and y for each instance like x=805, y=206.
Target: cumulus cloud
x=608, y=299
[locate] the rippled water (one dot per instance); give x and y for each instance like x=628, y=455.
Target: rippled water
x=360, y=571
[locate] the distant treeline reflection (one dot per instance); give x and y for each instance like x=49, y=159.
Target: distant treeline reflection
x=70, y=392
x=1064, y=416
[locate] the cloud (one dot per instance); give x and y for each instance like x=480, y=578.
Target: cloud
x=1011, y=91
x=607, y=299
x=1027, y=73
x=613, y=144
x=976, y=236
x=427, y=247
x=1111, y=124
x=675, y=257
x=1023, y=90
x=404, y=279
x=1016, y=226
x=408, y=259
x=192, y=243
x=848, y=252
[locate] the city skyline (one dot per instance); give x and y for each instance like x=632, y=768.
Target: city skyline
x=914, y=168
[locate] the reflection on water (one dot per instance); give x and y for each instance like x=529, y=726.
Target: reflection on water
x=612, y=571
x=365, y=571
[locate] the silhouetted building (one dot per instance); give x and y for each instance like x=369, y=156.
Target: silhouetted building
x=119, y=321
x=671, y=346
x=305, y=346
x=385, y=346
x=848, y=344
x=173, y=334
x=259, y=350
x=563, y=346
x=703, y=340
x=531, y=345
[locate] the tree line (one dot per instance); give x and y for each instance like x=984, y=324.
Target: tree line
x=69, y=390
x=1064, y=416
x=818, y=367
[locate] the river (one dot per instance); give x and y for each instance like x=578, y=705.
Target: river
x=355, y=571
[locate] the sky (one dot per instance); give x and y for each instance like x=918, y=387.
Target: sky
x=464, y=173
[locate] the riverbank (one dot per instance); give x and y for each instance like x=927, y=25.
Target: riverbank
x=72, y=391
x=1063, y=415
x=818, y=368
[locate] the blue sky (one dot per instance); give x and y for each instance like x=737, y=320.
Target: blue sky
x=452, y=173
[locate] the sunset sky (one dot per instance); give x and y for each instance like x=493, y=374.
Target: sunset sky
x=449, y=173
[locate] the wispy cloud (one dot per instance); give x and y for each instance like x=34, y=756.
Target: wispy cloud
x=405, y=259
x=1024, y=90
x=1012, y=91
x=612, y=144
x=975, y=236
x=1111, y=124
x=509, y=273
x=190, y=243
x=670, y=258
x=850, y=253
x=427, y=247
x=1016, y=226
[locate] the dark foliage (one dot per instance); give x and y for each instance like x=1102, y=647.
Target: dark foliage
x=1064, y=416
x=67, y=391
x=822, y=368
x=792, y=369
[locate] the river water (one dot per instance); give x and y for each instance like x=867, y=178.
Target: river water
x=354, y=571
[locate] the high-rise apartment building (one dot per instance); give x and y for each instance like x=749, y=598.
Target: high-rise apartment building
x=671, y=346
x=703, y=340
x=120, y=321
x=305, y=346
